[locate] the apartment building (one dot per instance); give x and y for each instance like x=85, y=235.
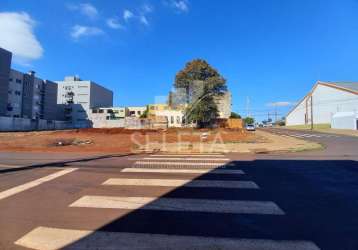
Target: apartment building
x=77, y=97
x=31, y=97
x=23, y=95
x=223, y=103
x=15, y=88
x=5, y=64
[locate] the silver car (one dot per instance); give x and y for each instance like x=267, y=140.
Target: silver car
x=250, y=127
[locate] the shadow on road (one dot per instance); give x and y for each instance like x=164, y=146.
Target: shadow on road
x=319, y=200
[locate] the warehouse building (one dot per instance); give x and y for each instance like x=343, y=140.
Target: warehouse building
x=325, y=100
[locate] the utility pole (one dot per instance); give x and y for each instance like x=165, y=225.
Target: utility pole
x=247, y=106
x=311, y=112
x=275, y=113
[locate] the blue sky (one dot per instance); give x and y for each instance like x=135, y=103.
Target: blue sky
x=270, y=51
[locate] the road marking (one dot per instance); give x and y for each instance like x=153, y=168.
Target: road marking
x=181, y=182
x=186, y=159
x=31, y=184
x=182, y=171
x=179, y=204
x=189, y=155
x=309, y=135
x=46, y=238
x=296, y=135
x=178, y=163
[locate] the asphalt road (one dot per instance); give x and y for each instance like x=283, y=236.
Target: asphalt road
x=305, y=200
x=338, y=146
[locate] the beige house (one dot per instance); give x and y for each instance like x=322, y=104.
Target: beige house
x=175, y=118
x=135, y=111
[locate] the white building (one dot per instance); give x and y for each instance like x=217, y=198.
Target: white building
x=223, y=102
x=345, y=120
x=78, y=97
x=135, y=111
x=174, y=117
x=323, y=102
x=112, y=117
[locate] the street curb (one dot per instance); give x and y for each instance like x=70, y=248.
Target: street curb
x=60, y=163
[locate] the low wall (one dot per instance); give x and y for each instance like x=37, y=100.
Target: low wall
x=23, y=124
x=235, y=123
x=120, y=123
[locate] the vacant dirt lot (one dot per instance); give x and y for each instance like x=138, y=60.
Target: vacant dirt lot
x=116, y=140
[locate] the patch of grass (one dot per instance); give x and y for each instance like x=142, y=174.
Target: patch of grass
x=303, y=149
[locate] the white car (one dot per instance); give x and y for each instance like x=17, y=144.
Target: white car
x=250, y=127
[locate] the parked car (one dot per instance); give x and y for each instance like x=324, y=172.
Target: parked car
x=250, y=127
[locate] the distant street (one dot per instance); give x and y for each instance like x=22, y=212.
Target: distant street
x=339, y=146
x=306, y=200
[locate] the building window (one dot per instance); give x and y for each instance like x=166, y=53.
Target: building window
x=18, y=81
x=9, y=92
x=82, y=86
x=17, y=92
x=172, y=119
x=9, y=107
x=101, y=111
x=138, y=112
x=178, y=119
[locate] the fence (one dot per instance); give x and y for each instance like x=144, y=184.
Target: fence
x=23, y=124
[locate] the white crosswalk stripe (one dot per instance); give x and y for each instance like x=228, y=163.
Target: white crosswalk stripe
x=47, y=238
x=180, y=183
x=179, y=204
x=170, y=163
x=182, y=171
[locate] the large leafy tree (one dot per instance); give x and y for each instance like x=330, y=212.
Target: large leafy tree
x=235, y=115
x=249, y=120
x=200, y=79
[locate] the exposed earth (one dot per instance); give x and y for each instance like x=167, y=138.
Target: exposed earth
x=124, y=141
